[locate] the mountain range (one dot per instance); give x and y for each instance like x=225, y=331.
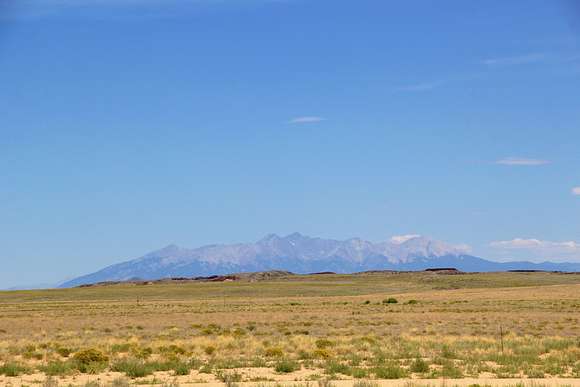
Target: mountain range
x=303, y=254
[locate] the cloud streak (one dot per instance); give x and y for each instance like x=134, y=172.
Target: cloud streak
x=532, y=244
x=540, y=248
x=576, y=191
x=522, y=162
x=425, y=86
x=515, y=60
x=307, y=120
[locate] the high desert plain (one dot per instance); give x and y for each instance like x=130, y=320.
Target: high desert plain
x=367, y=329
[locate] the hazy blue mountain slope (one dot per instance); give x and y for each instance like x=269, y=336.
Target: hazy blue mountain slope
x=302, y=254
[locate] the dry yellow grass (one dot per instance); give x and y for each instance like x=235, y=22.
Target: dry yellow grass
x=298, y=328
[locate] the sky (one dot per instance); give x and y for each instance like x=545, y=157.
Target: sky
x=127, y=125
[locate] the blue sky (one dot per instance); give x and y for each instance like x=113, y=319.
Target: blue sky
x=129, y=125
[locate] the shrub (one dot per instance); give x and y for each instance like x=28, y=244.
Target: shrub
x=132, y=368
x=142, y=353
x=390, y=300
x=535, y=373
x=412, y=302
x=31, y=353
x=333, y=367
x=12, y=369
x=64, y=352
x=56, y=368
x=274, y=352
x=239, y=332
x=286, y=366
x=209, y=350
x=89, y=356
x=181, y=368
x=359, y=373
x=448, y=353
x=389, y=372
x=323, y=343
x=419, y=366
x=90, y=361
x=451, y=371
x=322, y=354
x=229, y=377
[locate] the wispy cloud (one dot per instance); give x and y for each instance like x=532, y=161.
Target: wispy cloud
x=307, y=120
x=521, y=161
x=515, y=60
x=576, y=191
x=440, y=246
x=424, y=86
x=521, y=243
x=540, y=248
x=399, y=239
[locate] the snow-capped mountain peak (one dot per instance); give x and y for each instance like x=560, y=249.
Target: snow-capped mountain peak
x=296, y=253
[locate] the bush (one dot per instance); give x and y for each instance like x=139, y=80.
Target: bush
x=181, y=368
x=12, y=369
x=419, y=366
x=90, y=361
x=322, y=354
x=333, y=367
x=229, y=377
x=142, y=353
x=89, y=356
x=239, y=332
x=286, y=366
x=323, y=343
x=274, y=352
x=390, y=300
x=389, y=372
x=535, y=373
x=451, y=371
x=64, y=352
x=448, y=353
x=56, y=368
x=359, y=373
x=132, y=368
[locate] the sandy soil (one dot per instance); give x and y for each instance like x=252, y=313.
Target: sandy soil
x=300, y=377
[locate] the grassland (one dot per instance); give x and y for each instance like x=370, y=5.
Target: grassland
x=300, y=330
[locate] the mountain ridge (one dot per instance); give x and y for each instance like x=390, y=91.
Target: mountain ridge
x=303, y=254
